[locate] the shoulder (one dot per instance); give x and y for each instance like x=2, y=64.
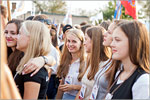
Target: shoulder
x=140, y=88
x=38, y=77
x=53, y=51
x=144, y=78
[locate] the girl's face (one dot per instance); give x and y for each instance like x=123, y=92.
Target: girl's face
x=10, y=34
x=22, y=40
x=108, y=35
x=88, y=43
x=120, y=45
x=73, y=43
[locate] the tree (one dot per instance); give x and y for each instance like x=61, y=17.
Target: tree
x=145, y=9
x=51, y=6
x=108, y=12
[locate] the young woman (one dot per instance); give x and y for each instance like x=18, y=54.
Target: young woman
x=14, y=55
x=130, y=47
x=97, y=60
x=35, y=36
x=71, y=64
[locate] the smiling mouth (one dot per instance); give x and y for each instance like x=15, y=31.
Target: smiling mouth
x=9, y=40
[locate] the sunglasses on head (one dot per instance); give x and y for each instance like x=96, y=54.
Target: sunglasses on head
x=47, y=21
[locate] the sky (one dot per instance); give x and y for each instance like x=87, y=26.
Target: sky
x=89, y=6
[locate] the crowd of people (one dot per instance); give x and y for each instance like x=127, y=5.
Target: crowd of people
x=48, y=61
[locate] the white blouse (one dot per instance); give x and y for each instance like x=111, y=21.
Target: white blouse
x=72, y=76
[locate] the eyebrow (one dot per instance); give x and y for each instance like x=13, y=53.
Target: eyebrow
x=116, y=37
x=12, y=31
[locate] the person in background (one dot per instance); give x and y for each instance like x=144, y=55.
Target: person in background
x=60, y=36
x=44, y=19
x=83, y=23
x=105, y=24
x=65, y=30
x=129, y=78
x=77, y=26
x=84, y=27
x=71, y=65
x=29, y=18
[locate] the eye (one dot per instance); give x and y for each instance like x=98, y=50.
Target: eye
x=6, y=32
x=13, y=33
x=74, y=41
x=117, y=39
x=109, y=32
x=68, y=40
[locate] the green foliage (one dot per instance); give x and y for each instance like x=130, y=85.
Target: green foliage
x=145, y=9
x=108, y=12
x=51, y=6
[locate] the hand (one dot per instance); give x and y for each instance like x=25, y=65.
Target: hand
x=34, y=64
x=66, y=87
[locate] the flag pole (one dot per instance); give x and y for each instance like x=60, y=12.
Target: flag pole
x=121, y=13
x=8, y=8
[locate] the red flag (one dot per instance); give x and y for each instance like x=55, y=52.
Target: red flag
x=130, y=8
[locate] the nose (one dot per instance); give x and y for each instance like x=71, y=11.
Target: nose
x=7, y=35
x=105, y=34
x=112, y=44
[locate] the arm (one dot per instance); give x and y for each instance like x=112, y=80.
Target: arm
x=69, y=87
x=36, y=64
x=140, y=88
x=59, y=92
x=77, y=96
x=31, y=90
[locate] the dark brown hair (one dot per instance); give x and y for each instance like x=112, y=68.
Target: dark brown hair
x=84, y=27
x=105, y=24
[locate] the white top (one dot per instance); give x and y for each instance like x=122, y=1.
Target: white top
x=72, y=75
x=88, y=83
x=140, y=89
x=54, y=52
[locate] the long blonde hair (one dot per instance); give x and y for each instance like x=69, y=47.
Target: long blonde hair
x=66, y=57
x=39, y=44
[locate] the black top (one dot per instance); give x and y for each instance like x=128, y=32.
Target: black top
x=125, y=90
x=41, y=77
